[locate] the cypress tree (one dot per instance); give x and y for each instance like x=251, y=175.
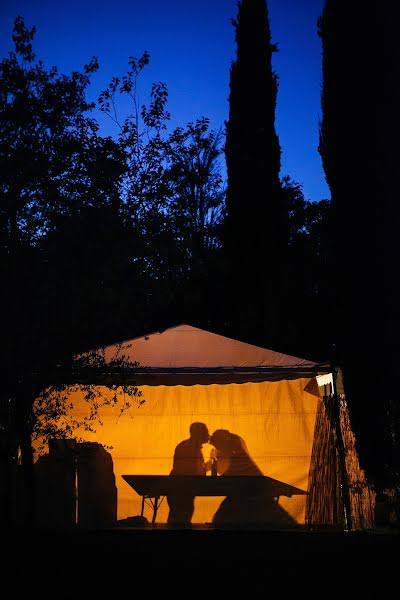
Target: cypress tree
x=256, y=231
x=359, y=108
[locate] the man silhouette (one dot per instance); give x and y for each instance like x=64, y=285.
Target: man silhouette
x=188, y=460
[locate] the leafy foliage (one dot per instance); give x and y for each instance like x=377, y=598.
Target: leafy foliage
x=55, y=169
x=53, y=414
x=173, y=196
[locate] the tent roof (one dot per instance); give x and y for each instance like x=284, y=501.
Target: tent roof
x=185, y=346
x=184, y=350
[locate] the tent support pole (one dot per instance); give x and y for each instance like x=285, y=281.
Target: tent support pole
x=341, y=455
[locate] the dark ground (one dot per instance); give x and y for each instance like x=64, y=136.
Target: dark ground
x=155, y=561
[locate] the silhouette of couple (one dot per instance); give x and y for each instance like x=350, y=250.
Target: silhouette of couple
x=232, y=456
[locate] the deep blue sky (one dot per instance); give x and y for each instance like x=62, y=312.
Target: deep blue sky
x=191, y=45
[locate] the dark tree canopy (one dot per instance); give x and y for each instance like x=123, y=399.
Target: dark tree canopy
x=308, y=279
x=59, y=280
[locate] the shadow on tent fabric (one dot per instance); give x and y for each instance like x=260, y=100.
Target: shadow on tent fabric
x=244, y=508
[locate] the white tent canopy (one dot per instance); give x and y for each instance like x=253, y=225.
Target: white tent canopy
x=187, y=355
x=271, y=401
x=185, y=346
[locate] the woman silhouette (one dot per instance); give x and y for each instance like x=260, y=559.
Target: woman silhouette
x=252, y=505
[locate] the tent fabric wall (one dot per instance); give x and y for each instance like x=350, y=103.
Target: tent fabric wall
x=185, y=374
x=276, y=419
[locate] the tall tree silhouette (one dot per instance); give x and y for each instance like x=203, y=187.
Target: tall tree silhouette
x=359, y=109
x=256, y=233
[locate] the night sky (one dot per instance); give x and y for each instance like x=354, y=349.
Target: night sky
x=191, y=46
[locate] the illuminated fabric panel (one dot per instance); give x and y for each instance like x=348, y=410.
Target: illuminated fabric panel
x=276, y=421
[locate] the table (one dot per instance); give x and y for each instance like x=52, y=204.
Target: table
x=154, y=488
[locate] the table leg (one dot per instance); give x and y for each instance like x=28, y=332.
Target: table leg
x=156, y=505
